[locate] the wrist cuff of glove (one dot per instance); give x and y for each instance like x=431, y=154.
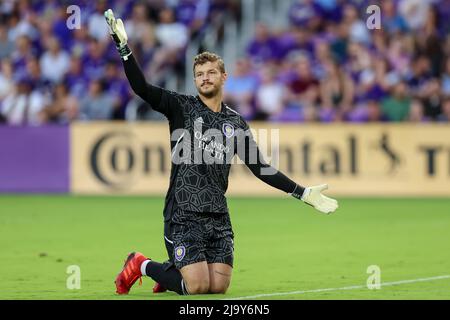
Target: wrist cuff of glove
x=298, y=192
x=124, y=51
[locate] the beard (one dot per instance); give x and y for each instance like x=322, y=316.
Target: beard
x=209, y=93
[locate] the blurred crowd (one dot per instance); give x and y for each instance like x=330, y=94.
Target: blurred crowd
x=326, y=66
x=329, y=66
x=55, y=71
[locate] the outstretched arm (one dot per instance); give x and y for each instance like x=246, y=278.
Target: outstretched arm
x=254, y=160
x=149, y=93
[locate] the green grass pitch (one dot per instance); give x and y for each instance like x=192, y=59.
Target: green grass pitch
x=281, y=246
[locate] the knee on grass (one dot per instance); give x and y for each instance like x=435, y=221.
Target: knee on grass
x=198, y=287
x=218, y=288
x=203, y=287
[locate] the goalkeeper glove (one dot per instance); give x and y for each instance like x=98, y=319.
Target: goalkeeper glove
x=314, y=197
x=118, y=34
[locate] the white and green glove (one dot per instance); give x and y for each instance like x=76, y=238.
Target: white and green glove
x=314, y=197
x=118, y=33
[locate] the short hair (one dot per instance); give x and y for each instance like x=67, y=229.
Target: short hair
x=205, y=57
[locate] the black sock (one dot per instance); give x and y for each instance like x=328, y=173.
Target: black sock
x=166, y=275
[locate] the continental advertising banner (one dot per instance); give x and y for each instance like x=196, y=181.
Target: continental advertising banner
x=355, y=160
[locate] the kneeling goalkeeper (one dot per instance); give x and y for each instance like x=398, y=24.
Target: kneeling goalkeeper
x=197, y=227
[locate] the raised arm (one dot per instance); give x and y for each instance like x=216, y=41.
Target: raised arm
x=149, y=93
x=249, y=152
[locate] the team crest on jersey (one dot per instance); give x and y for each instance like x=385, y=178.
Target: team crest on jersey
x=180, y=253
x=228, y=130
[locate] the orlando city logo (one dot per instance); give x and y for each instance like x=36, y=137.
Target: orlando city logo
x=228, y=130
x=180, y=252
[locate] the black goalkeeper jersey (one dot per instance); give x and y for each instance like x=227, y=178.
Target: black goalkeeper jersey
x=199, y=184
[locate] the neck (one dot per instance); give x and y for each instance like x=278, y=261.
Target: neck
x=214, y=103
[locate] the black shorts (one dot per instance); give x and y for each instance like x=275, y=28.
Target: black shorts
x=192, y=237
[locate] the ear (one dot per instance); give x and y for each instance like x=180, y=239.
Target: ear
x=224, y=76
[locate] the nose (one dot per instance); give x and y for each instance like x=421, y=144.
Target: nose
x=205, y=77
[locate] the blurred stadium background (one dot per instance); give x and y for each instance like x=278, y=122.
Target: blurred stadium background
x=292, y=61
x=366, y=111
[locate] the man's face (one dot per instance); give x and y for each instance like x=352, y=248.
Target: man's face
x=209, y=80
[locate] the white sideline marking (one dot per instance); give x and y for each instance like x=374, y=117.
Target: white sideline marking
x=339, y=289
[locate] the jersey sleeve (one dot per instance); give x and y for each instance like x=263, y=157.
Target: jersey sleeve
x=248, y=151
x=158, y=98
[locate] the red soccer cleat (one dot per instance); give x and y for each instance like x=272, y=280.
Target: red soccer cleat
x=158, y=288
x=130, y=273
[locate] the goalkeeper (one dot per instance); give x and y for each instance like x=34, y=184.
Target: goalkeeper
x=197, y=228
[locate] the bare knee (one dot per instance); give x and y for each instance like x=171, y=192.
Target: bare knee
x=198, y=286
x=219, y=287
x=219, y=277
x=196, y=278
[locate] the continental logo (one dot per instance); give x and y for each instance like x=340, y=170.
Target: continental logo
x=117, y=159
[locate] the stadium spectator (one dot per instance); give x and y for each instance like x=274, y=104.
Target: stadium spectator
x=432, y=99
x=306, y=14
x=24, y=105
x=428, y=42
x=303, y=80
x=358, y=31
x=294, y=41
x=302, y=92
x=263, y=47
x=420, y=76
x=445, y=115
x=392, y=21
x=118, y=88
x=34, y=74
x=416, y=111
x=374, y=112
x=445, y=82
x=79, y=42
x=54, y=62
x=138, y=22
x=60, y=30
x=6, y=45
x=171, y=34
x=97, y=105
x=240, y=87
x=19, y=26
x=269, y=96
x=396, y=105
x=75, y=78
x=147, y=46
x=6, y=79
x=336, y=92
x=96, y=23
x=414, y=13
x=64, y=106
x=339, y=42
x=399, y=54
x=385, y=76
x=193, y=14
x=93, y=61
x=173, y=38
x=22, y=52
